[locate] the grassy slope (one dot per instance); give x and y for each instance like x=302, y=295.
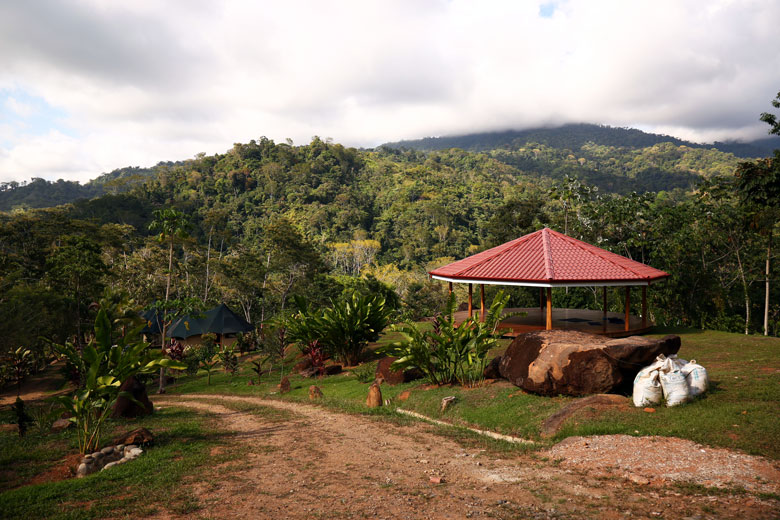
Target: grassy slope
x=182, y=445
x=739, y=412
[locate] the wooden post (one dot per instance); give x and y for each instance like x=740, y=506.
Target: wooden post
x=604, y=322
x=549, y=308
x=628, y=305
x=482, y=302
x=644, y=306
x=471, y=308
x=450, y=288
x=541, y=303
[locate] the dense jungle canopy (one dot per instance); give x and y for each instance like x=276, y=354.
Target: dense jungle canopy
x=267, y=221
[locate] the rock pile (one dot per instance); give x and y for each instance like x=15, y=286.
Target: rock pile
x=107, y=457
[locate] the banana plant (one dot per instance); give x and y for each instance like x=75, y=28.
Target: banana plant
x=103, y=366
x=207, y=366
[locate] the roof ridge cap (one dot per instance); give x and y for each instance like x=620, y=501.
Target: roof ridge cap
x=491, y=257
x=597, y=252
x=549, y=270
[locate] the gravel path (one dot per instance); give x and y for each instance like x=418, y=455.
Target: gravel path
x=323, y=464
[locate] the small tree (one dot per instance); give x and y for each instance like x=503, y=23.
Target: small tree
x=169, y=224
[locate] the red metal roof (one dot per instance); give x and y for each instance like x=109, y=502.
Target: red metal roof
x=549, y=258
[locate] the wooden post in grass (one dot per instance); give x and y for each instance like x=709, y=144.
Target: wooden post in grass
x=549, y=309
x=628, y=304
x=482, y=302
x=644, y=306
x=471, y=307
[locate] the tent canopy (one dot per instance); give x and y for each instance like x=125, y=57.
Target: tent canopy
x=219, y=320
x=547, y=258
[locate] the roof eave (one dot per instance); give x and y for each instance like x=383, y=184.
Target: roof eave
x=550, y=283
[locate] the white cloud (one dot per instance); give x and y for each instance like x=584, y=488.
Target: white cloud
x=142, y=83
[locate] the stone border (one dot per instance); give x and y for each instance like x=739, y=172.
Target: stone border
x=107, y=457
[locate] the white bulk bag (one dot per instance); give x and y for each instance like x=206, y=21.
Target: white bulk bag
x=647, y=387
x=696, y=376
x=672, y=363
x=675, y=387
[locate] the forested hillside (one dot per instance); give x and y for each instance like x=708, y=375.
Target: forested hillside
x=40, y=193
x=614, y=159
x=574, y=136
x=265, y=222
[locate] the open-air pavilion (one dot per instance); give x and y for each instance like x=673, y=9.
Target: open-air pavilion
x=548, y=259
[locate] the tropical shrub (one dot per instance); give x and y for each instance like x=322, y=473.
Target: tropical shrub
x=449, y=353
x=227, y=356
x=365, y=373
x=344, y=329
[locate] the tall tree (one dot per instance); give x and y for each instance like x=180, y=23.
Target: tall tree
x=169, y=224
x=759, y=187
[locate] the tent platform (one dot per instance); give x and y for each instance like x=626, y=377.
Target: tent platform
x=582, y=320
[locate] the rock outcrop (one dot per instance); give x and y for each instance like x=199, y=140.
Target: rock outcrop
x=374, y=398
x=576, y=363
x=394, y=377
x=126, y=407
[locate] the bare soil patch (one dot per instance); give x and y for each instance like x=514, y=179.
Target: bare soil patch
x=36, y=387
x=322, y=464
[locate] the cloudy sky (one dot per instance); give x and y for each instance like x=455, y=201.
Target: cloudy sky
x=87, y=86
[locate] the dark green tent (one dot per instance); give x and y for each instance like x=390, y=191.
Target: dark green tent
x=221, y=320
x=153, y=320
x=185, y=327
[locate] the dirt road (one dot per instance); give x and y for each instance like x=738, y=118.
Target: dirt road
x=322, y=464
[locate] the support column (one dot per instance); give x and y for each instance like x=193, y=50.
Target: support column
x=549, y=309
x=541, y=304
x=471, y=307
x=604, y=322
x=628, y=305
x=450, y=283
x=644, y=306
x=482, y=302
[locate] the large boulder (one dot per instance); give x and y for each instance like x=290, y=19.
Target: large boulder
x=126, y=407
x=554, y=362
x=394, y=377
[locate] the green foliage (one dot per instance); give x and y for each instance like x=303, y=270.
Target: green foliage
x=208, y=366
x=257, y=367
x=110, y=359
x=449, y=353
x=365, y=373
x=344, y=329
x=20, y=363
x=227, y=356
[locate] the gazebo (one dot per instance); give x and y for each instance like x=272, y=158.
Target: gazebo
x=547, y=259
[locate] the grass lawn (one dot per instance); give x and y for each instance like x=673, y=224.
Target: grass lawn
x=182, y=445
x=740, y=411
